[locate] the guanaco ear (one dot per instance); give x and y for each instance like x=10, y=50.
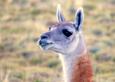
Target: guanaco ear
x=59, y=15
x=79, y=16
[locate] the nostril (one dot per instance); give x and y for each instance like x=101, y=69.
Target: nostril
x=40, y=42
x=44, y=37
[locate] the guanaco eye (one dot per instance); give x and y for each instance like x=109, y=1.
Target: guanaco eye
x=66, y=32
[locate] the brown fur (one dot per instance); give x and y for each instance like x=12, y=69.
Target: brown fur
x=82, y=71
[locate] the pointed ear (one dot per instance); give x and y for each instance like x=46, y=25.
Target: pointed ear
x=79, y=16
x=59, y=15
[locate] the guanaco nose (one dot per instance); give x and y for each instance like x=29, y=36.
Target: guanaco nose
x=43, y=40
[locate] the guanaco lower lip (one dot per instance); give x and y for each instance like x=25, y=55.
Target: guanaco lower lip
x=45, y=44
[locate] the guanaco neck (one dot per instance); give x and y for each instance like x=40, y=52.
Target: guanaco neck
x=77, y=65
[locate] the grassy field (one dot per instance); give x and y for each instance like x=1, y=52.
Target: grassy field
x=22, y=22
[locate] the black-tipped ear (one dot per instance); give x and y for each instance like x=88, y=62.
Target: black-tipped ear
x=59, y=15
x=79, y=16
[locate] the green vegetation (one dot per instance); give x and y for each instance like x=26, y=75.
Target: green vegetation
x=21, y=23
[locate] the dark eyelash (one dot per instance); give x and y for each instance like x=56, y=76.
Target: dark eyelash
x=66, y=32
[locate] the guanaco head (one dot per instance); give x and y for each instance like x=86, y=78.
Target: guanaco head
x=63, y=37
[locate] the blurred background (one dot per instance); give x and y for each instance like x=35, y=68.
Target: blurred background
x=22, y=22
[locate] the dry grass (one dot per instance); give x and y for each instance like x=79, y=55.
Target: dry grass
x=21, y=23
